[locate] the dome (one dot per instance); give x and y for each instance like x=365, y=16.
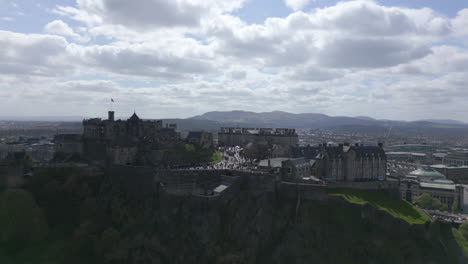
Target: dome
x=427, y=174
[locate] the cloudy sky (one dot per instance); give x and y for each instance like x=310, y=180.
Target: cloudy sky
x=394, y=59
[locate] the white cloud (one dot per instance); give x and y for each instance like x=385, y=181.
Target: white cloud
x=296, y=4
x=148, y=59
x=33, y=54
x=147, y=14
x=89, y=86
x=350, y=58
x=238, y=75
x=460, y=22
x=355, y=34
x=58, y=27
x=6, y=18
x=314, y=73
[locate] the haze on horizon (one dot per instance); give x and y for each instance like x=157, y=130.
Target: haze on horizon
x=400, y=60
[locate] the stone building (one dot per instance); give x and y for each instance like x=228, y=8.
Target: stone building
x=68, y=143
x=233, y=136
x=458, y=174
x=345, y=162
x=434, y=183
x=288, y=167
x=296, y=168
x=200, y=138
x=459, y=158
x=41, y=152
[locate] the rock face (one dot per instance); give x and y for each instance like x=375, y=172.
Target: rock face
x=267, y=227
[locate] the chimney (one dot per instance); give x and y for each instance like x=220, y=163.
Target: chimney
x=269, y=163
x=380, y=145
x=111, y=116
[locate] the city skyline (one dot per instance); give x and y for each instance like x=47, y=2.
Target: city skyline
x=383, y=59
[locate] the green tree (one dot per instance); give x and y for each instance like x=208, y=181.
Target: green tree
x=190, y=148
x=21, y=220
x=216, y=157
x=444, y=207
x=464, y=229
x=454, y=206
x=436, y=204
x=424, y=200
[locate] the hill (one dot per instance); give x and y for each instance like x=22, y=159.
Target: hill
x=444, y=121
x=446, y=128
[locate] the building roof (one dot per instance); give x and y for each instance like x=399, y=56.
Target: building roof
x=134, y=117
x=398, y=153
x=299, y=162
x=442, y=166
x=220, y=188
x=427, y=173
x=312, y=152
x=275, y=163
x=437, y=185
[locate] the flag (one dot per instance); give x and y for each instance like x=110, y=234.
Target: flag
x=112, y=100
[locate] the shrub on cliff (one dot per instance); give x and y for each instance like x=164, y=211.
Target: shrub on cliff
x=464, y=230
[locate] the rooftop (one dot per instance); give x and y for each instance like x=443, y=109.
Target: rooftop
x=426, y=173
x=437, y=185
x=275, y=163
x=442, y=166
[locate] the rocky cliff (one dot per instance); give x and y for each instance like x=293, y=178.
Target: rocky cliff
x=266, y=227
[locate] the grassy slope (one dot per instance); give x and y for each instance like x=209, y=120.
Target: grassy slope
x=401, y=209
x=460, y=240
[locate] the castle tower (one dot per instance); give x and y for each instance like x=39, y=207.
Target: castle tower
x=111, y=116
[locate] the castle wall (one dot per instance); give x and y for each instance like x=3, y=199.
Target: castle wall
x=122, y=155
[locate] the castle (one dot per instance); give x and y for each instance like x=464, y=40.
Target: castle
x=133, y=130
x=131, y=141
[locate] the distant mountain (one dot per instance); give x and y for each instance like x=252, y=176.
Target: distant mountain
x=340, y=123
x=444, y=121
x=365, y=118
x=281, y=119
